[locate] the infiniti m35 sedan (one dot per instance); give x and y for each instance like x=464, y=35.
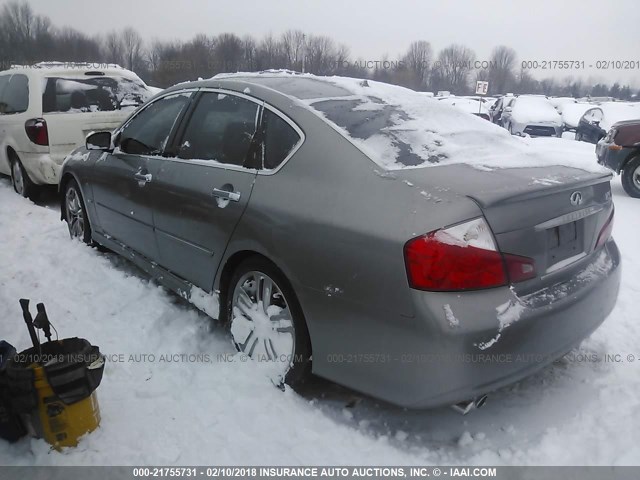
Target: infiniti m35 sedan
x=355, y=230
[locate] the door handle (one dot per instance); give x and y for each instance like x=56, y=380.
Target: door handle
x=143, y=178
x=226, y=195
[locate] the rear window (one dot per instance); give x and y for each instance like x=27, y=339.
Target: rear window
x=373, y=119
x=280, y=139
x=95, y=94
x=14, y=94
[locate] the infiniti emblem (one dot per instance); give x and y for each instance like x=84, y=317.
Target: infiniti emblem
x=576, y=198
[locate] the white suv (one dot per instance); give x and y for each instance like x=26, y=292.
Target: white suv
x=47, y=110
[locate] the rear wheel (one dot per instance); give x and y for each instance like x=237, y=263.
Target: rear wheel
x=75, y=213
x=20, y=180
x=266, y=320
x=631, y=177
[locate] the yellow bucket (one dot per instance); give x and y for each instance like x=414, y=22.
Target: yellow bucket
x=58, y=424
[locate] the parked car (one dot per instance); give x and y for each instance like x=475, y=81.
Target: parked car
x=496, y=110
x=560, y=102
x=469, y=105
x=572, y=113
x=335, y=227
x=596, y=122
x=619, y=150
x=47, y=110
x=532, y=115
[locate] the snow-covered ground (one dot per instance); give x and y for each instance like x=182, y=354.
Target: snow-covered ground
x=581, y=410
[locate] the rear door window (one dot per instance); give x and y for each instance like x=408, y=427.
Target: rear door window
x=148, y=132
x=93, y=94
x=280, y=139
x=220, y=129
x=15, y=95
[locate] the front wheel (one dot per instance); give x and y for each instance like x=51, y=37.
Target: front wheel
x=266, y=320
x=75, y=213
x=631, y=177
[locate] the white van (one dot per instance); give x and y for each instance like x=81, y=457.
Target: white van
x=47, y=110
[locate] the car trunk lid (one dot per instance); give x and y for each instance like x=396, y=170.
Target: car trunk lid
x=552, y=215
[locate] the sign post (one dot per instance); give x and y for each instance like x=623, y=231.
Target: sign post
x=482, y=88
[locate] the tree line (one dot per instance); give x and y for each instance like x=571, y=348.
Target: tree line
x=27, y=37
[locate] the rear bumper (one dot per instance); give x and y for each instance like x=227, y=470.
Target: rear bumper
x=537, y=130
x=41, y=167
x=461, y=345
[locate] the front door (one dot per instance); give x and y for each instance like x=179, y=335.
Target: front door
x=121, y=180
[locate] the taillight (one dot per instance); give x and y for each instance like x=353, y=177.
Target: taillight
x=605, y=232
x=462, y=257
x=37, y=132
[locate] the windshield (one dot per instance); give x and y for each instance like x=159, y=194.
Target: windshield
x=95, y=94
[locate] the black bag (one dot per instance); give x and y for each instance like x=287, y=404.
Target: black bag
x=11, y=427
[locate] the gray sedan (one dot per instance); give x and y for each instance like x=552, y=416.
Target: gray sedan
x=355, y=230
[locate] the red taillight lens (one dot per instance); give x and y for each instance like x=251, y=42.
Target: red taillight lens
x=463, y=257
x=37, y=132
x=605, y=232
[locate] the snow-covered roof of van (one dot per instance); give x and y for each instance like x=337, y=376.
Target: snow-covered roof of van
x=74, y=68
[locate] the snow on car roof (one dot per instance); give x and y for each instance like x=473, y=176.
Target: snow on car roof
x=400, y=128
x=615, y=112
x=469, y=105
x=534, y=109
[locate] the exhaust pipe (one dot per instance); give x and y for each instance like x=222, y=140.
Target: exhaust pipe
x=465, y=407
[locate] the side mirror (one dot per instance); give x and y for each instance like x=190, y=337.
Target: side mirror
x=508, y=110
x=99, y=141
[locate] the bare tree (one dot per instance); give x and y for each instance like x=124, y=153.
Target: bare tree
x=249, y=53
x=321, y=55
x=228, y=52
x=269, y=54
x=454, y=64
x=132, y=47
x=501, y=65
x=293, y=47
x=418, y=60
x=114, y=48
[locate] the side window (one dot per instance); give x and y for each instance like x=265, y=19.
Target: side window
x=15, y=97
x=220, y=129
x=279, y=139
x=148, y=132
x=4, y=81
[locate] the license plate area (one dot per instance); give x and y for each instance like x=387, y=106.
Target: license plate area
x=565, y=241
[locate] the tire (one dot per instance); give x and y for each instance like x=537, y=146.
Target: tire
x=20, y=180
x=75, y=213
x=631, y=177
x=288, y=343
x=578, y=136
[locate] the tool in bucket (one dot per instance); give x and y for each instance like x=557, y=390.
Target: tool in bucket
x=52, y=386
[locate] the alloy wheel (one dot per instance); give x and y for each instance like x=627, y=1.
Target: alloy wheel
x=261, y=321
x=75, y=214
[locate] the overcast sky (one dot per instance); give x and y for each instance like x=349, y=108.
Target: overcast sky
x=584, y=30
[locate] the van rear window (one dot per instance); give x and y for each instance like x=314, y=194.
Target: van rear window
x=98, y=94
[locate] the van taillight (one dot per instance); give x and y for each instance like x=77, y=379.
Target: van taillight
x=462, y=257
x=37, y=132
